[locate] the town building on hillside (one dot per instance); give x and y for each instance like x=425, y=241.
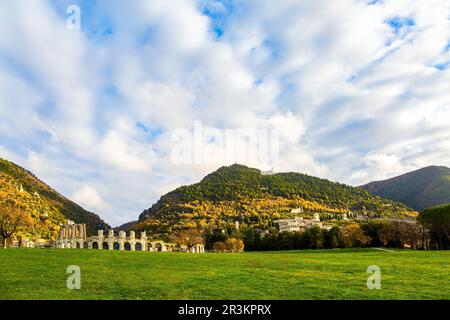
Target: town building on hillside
x=301, y=224
x=74, y=236
x=297, y=210
x=289, y=225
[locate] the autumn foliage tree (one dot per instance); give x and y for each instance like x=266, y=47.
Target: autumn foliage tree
x=399, y=233
x=12, y=219
x=219, y=246
x=354, y=236
x=189, y=238
x=234, y=245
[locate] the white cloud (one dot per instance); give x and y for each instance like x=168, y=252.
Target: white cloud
x=89, y=198
x=92, y=114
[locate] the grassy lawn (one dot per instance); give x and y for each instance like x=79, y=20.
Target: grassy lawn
x=334, y=274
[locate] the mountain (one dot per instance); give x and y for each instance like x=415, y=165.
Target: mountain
x=126, y=226
x=239, y=193
x=47, y=207
x=419, y=189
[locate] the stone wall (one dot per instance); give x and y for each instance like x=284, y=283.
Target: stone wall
x=74, y=236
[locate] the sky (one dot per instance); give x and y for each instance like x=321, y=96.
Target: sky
x=348, y=90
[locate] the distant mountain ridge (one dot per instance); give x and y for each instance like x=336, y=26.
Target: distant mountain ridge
x=245, y=194
x=47, y=207
x=420, y=189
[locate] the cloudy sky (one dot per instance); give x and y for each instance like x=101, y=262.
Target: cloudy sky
x=356, y=90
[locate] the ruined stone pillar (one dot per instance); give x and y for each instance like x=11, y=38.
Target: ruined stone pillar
x=122, y=238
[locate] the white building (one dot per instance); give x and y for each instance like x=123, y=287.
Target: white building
x=297, y=210
x=300, y=224
x=290, y=225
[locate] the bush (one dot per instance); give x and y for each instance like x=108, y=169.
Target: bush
x=219, y=246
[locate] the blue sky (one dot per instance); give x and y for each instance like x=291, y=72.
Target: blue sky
x=358, y=90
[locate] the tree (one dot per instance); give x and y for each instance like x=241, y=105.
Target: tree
x=12, y=219
x=316, y=237
x=411, y=234
x=437, y=221
x=391, y=234
x=235, y=245
x=354, y=236
x=219, y=246
x=189, y=238
x=333, y=238
x=214, y=236
x=312, y=238
x=372, y=229
x=398, y=234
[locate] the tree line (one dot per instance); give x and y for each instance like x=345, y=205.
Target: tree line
x=430, y=232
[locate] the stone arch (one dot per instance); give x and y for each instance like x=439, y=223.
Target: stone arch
x=78, y=245
x=158, y=247
x=116, y=246
x=105, y=245
x=149, y=247
x=95, y=245
x=127, y=246
x=138, y=246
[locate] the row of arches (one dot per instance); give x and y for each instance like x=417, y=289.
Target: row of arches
x=71, y=231
x=127, y=246
x=71, y=245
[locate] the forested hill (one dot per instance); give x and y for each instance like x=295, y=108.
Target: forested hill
x=241, y=193
x=420, y=189
x=46, y=206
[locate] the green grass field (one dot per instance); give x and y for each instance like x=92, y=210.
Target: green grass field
x=335, y=274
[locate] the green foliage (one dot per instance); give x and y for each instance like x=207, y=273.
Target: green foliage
x=244, y=194
x=420, y=189
x=313, y=238
x=437, y=220
x=333, y=238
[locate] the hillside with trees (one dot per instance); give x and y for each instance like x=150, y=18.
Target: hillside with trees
x=239, y=193
x=419, y=189
x=22, y=192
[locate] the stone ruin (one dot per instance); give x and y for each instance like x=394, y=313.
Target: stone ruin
x=74, y=236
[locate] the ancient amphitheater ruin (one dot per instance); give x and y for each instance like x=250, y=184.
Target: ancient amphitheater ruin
x=74, y=236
